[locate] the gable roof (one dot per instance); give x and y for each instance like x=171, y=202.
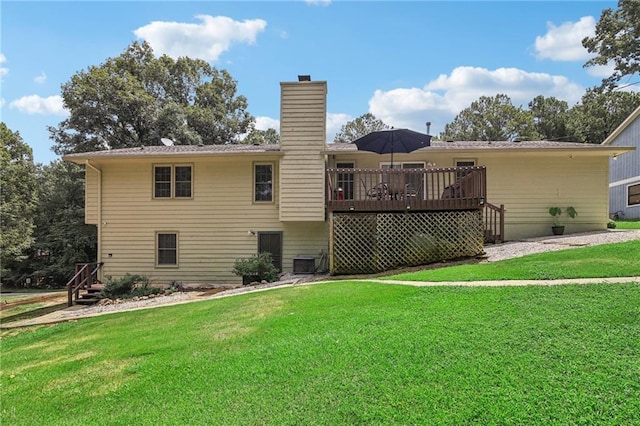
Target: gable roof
x=630, y=119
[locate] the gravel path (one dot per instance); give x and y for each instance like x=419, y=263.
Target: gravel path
x=493, y=253
x=543, y=244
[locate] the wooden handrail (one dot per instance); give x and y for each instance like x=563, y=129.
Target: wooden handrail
x=81, y=279
x=493, y=223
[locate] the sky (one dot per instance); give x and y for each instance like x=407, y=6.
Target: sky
x=407, y=63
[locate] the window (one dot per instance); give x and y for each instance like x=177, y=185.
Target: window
x=172, y=181
x=263, y=182
x=464, y=163
x=633, y=195
x=167, y=249
x=345, y=181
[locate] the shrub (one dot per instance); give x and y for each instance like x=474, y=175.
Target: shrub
x=259, y=266
x=127, y=287
x=611, y=224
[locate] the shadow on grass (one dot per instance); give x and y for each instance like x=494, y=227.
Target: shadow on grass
x=34, y=313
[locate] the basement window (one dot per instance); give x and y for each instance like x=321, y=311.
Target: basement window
x=167, y=249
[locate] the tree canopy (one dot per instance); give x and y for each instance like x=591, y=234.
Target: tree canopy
x=491, y=119
x=262, y=137
x=549, y=118
x=135, y=99
x=617, y=41
x=359, y=127
x=599, y=113
x=19, y=197
x=61, y=238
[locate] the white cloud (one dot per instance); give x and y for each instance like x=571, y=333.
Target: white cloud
x=564, y=42
x=335, y=121
x=440, y=100
x=2, y=102
x=3, y=70
x=207, y=40
x=34, y=104
x=318, y=2
x=601, y=70
x=265, y=123
x=41, y=78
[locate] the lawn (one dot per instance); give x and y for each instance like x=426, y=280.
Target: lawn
x=600, y=261
x=628, y=224
x=339, y=353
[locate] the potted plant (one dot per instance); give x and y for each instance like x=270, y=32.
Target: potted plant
x=256, y=268
x=556, y=213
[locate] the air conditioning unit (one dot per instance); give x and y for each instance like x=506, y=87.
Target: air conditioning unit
x=304, y=265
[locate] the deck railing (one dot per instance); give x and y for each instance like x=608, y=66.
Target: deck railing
x=431, y=189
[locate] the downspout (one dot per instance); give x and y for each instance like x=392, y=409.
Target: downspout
x=99, y=172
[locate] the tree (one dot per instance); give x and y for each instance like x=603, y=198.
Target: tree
x=19, y=197
x=135, y=99
x=599, y=113
x=262, y=137
x=62, y=239
x=549, y=117
x=491, y=119
x=359, y=127
x=617, y=40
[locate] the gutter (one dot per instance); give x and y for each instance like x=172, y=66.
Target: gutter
x=99, y=172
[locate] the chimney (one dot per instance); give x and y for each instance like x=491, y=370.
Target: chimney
x=428, y=127
x=303, y=119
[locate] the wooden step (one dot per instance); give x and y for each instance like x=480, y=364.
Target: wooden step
x=88, y=301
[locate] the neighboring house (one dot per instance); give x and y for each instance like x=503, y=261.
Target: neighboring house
x=186, y=213
x=624, y=172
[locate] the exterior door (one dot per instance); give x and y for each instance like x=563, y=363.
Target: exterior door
x=345, y=181
x=271, y=242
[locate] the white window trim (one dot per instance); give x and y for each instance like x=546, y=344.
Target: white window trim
x=626, y=195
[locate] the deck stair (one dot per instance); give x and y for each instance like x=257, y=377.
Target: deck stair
x=84, y=288
x=90, y=296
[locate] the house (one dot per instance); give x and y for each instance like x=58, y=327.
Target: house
x=186, y=213
x=624, y=172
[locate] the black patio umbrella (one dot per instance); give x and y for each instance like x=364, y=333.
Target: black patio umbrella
x=393, y=141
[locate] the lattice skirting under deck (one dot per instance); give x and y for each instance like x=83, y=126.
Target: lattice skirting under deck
x=376, y=242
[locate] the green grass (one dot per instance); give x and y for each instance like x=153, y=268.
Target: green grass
x=342, y=353
x=606, y=260
x=628, y=224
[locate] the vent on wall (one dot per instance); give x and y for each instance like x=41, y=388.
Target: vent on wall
x=304, y=265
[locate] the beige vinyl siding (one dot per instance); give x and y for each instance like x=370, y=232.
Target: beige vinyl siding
x=91, y=195
x=302, y=136
x=213, y=227
x=528, y=185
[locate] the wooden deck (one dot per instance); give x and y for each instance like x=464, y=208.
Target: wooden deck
x=393, y=190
